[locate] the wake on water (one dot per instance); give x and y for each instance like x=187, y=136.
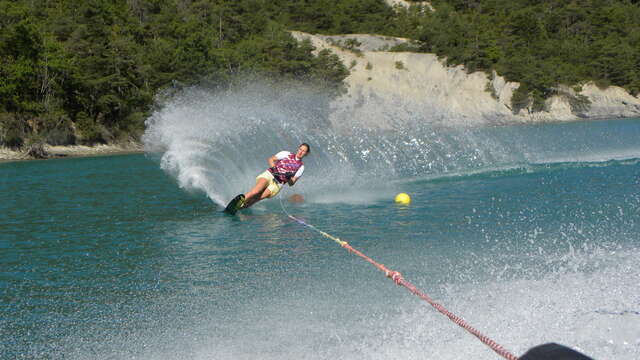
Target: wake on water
x=217, y=141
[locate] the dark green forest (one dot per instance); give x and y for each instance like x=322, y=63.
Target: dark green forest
x=539, y=43
x=90, y=71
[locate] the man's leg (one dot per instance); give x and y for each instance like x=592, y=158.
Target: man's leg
x=265, y=194
x=256, y=194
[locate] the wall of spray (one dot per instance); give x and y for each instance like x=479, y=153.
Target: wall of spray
x=218, y=140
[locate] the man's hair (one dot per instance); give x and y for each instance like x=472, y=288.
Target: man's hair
x=308, y=147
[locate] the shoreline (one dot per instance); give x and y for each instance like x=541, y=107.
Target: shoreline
x=73, y=151
x=68, y=151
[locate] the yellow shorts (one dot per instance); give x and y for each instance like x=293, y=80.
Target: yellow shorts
x=274, y=186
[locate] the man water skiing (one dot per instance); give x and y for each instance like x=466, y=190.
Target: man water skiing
x=285, y=168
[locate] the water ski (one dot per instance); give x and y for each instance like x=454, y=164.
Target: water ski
x=235, y=204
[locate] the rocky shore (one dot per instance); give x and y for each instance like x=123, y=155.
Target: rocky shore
x=386, y=86
x=52, y=152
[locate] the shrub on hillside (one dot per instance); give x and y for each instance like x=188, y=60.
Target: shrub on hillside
x=12, y=131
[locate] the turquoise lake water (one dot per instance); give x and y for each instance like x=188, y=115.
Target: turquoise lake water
x=529, y=233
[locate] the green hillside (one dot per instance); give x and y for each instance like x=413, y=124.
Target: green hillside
x=88, y=72
x=539, y=43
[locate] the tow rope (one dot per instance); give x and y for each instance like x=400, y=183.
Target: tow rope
x=399, y=280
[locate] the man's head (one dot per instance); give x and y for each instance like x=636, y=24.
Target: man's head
x=303, y=150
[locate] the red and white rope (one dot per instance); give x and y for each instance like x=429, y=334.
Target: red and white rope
x=399, y=280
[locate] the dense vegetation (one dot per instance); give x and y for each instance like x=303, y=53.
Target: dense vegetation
x=539, y=43
x=89, y=71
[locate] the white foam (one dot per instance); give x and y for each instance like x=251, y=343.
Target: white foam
x=217, y=141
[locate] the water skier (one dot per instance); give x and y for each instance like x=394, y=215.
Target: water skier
x=284, y=168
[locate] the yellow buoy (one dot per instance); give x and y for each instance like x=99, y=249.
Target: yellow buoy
x=403, y=199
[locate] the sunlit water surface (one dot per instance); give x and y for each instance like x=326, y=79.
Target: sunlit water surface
x=530, y=233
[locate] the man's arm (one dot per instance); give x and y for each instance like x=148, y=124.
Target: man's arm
x=293, y=180
x=297, y=176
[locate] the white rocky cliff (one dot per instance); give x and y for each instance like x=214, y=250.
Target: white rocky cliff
x=384, y=87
